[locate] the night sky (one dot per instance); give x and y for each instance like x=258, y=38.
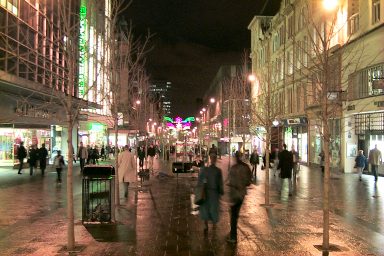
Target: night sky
x=193, y=38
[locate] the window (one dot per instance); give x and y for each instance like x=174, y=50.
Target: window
x=367, y=82
x=276, y=41
x=290, y=26
x=305, y=51
x=290, y=62
x=282, y=69
x=282, y=35
x=298, y=52
x=354, y=23
x=301, y=21
x=375, y=11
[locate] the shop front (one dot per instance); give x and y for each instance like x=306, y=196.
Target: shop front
x=316, y=144
x=93, y=133
x=364, y=132
x=12, y=135
x=296, y=135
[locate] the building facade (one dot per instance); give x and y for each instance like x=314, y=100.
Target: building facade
x=38, y=66
x=305, y=48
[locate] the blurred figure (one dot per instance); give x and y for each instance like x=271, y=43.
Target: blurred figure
x=375, y=159
x=127, y=169
x=102, y=153
x=296, y=159
x=33, y=157
x=254, y=160
x=43, y=153
x=274, y=158
x=151, y=153
x=239, y=178
x=141, y=156
x=285, y=166
x=322, y=161
x=360, y=161
x=21, y=154
x=58, y=162
x=82, y=154
x=211, y=179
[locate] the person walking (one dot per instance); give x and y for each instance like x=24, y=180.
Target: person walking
x=322, y=161
x=254, y=160
x=43, y=153
x=82, y=154
x=285, y=166
x=102, y=153
x=126, y=169
x=296, y=159
x=151, y=153
x=360, y=161
x=274, y=158
x=141, y=156
x=211, y=179
x=375, y=159
x=21, y=154
x=33, y=157
x=239, y=178
x=59, y=163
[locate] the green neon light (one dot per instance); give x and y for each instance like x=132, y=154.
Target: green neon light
x=96, y=127
x=83, y=49
x=168, y=119
x=189, y=119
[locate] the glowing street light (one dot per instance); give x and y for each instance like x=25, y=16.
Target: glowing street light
x=251, y=78
x=330, y=5
x=138, y=102
x=212, y=100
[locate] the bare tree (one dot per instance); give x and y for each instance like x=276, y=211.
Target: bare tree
x=123, y=71
x=236, y=90
x=264, y=104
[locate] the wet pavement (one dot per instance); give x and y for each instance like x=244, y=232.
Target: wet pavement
x=157, y=219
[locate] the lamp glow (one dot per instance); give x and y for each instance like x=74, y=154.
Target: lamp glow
x=330, y=4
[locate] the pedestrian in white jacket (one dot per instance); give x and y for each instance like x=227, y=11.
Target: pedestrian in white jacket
x=127, y=169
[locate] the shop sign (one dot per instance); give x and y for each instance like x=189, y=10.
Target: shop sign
x=29, y=110
x=295, y=121
x=96, y=127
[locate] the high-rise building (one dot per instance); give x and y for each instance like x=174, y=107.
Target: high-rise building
x=160, y=91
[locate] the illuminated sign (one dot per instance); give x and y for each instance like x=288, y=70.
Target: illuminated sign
x=179, y=123
x=96, y=127
x=83, y=49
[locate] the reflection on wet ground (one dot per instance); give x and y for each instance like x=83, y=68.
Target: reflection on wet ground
x=156, y=219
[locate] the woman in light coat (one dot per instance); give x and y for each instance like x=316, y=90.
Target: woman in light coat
x=127, y=169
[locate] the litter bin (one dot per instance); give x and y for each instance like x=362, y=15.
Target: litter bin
x=98, y=194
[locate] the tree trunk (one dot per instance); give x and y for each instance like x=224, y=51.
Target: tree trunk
x=266, y=168
x=70, y=211
x=117, y=188
x=326, y=194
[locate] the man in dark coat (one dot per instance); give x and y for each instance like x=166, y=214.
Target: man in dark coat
x=239, y=178
x=21, y=154
x=33, y=157
x=141, y=156
x=43, y=153
x=285, y=166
